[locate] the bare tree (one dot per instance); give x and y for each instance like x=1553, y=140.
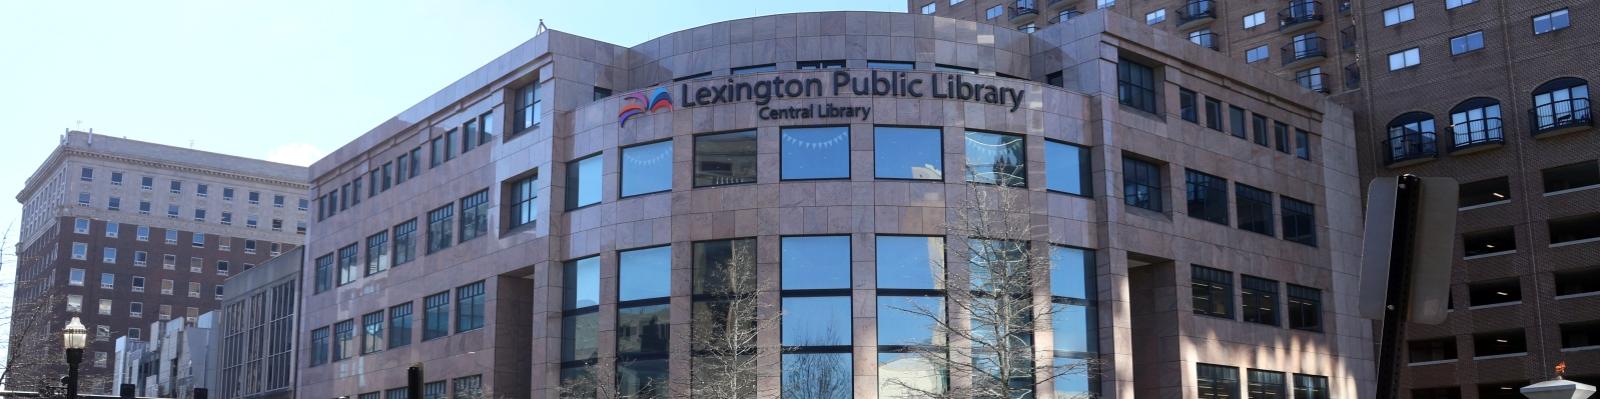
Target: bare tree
x=591, y=383
x=991, y=314
x=728, y=316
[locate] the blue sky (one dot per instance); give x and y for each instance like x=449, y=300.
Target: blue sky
x=281, y=80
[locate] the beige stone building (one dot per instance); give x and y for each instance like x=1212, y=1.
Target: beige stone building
x=562, y=211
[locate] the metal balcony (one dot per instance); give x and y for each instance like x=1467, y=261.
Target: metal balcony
x=1317, y=82
x=1196, y=13
x=1303, y=51
x=1300, y=14
x=1411, y=148
x=1207, y=40
x=1347, y=38
x=1476, y=135
x=1024, y=10
x=1559, y=117
x=1053, y=5
x=1064, y=16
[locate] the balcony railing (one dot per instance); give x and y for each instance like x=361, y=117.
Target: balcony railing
x=1303, y=49
x=1347, y=38
x=1300, y=12
x=1196, y=12
x=1411, y=146
x=1054, y=4
x=1317, y=82
x=1352, y=76
x=1207, y=40
x=1560, y=115
x=1475, y=133
x=1064, y=16
x=1024, y=9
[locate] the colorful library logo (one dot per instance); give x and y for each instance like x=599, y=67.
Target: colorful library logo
x=643, y=101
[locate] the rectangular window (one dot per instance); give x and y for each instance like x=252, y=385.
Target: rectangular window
x=808, y=153
x=400, y=325
x=928, y=9
x=1216, y=382
x=1236, y=123
x=1302, y=144
x=1212, y=291
x=522, y=193
x=994, y=158
x=600, y=93
x=1431, y=350
x=1397, y=14
x=470, y=387
x=993, y=12
x=908, y=153
x=1551, y=22
x=1565, y=230
x=1214, y=114
x=1266, y=385
x=1066, y=168
x=324, y=273
x=202, y=190
x=175, y=187
x=1580, y=335
x=377, y=253
x=1141, y=184
x=372, y=332
x=1299, y=220
x=348, y=267
x=1155, y=17
x=469, y=136
x=474, y=215
x=1305, y=308
x=405, y=242
x=529, y=110
x=1571, y=177
x=1136, y=85
x=1260, y=297
x=440, y=224
x=1188, y=108
x=753, y=69
x=580, y=301
x=1281, y=133
x=1257, y=54
x=436, y=316
x=469, y=307
x=1466, y=43
x=1404, y=59
x=1104, y=4
x=725, y=158
x=319, y=346
x=646, y=169
x=824, y=64
x=1255, y=209
x=1451, y=4
x=584, y=180
x=344, y=340
x=1207, y=196
x=1256, y=19
x=436, y=153
x=114, y=204
x=1310, y=387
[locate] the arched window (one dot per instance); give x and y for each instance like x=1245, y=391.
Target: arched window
x=1559, y=104
x=1411, y=136
x=1476, y=121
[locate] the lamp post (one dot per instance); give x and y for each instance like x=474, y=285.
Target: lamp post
x=74, y=338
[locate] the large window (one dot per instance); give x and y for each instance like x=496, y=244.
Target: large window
x=1258, y=128
x=1561, y=103
x=318, y=346
x=816, y=317
x=725, y=158
x=1214, y=114
x=647, y=168
x=1072, y=291
x=1466, y=43
x=1260, y=298
x=1066, y=168
x=584, y=181
x=1475, y=121
x=994, y=158
x=1212, y=290
x=908, y=153
x=1207, y=196
x=372, y=332
x=580, y=304
x=815, y=153
x=1305, y=308
x=1255, y=209
x=528, y=108
x=324, y=273
x=1188, y=106
x=644, y=284
x=436, y=316
x=1310, y=387
x=1299, y=220
x=475, y=215
x=405, y=242
x=439, y=228
x=1216, y=382
x=469, y=307
x=1237, y=125
x=400, y=325
x=1141, y=184
x=349, y=268
x=1551, y=22
x=1266, y=385
x=1136, y=85
x=910, y=275
x=377, y=253
x=522, y=194
x=344, y=339
x=724, y=287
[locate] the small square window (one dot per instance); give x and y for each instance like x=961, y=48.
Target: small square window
x=1401, y=13
x=929, y=8
x=1254, y=20
x=1404, y=59
x=1155, y=17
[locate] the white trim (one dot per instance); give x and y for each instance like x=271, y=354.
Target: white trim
x=1430, y=363
x=1581, y=348
x=1572, y=190
x=1578, y=295
x=1575, y=242
x=1484, y=205
x=1489, y=255
x=1495, y=305
x=1492, y=357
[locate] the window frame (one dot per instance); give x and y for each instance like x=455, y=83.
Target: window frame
x=784, y=145
x=622, y=168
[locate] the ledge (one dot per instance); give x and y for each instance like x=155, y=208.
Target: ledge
x=1508, y=355
x=1572, y=190
x=1574, y=242
x=1574, y=296
x=1495, y=305
x=1484, y=205
x=1431, y=363
x=1489, y=255
x=1581, y=348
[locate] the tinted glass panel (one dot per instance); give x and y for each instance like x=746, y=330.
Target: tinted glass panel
x=644, y=274
x=996, y=159
x=1066, y=168
x=583, y=181
x=816, y=152
x=1069, y=275
x=908, y=153
x=647, y=168
x=1074, y=328
x=907, y=320
x=726, y=158
x=817, y=376
x=816, y=262
x=582, y=288
x=910, y=262
x=817, y=321
x=642, y=329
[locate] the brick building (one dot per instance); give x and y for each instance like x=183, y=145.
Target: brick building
x=122, y=233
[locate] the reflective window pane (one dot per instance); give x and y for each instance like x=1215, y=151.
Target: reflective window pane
x=816, y=152
x=583, y=181
x=1069, y=272
x=647, y=168
x=582, y=285
x=910, y=262
x=817, y=376
x=644, y=274
x=1073, y=379
x=816, y=262
x=579, y=336
x=908, y=153
x=909, y=320
x=996, y=159
x=724, y=267
x=642, y=330
x=905, y=375
x=816, y=321
x=642, y=379
x=726, y=158
x=1073, y=328
x=1066, y=168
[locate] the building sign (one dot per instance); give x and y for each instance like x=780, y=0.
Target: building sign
x=908, y=84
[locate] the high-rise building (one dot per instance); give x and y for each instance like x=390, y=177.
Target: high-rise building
x=122, y=233
x=579, y=217
x=1493, y=93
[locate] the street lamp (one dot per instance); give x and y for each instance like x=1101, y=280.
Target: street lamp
x=74, y=338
